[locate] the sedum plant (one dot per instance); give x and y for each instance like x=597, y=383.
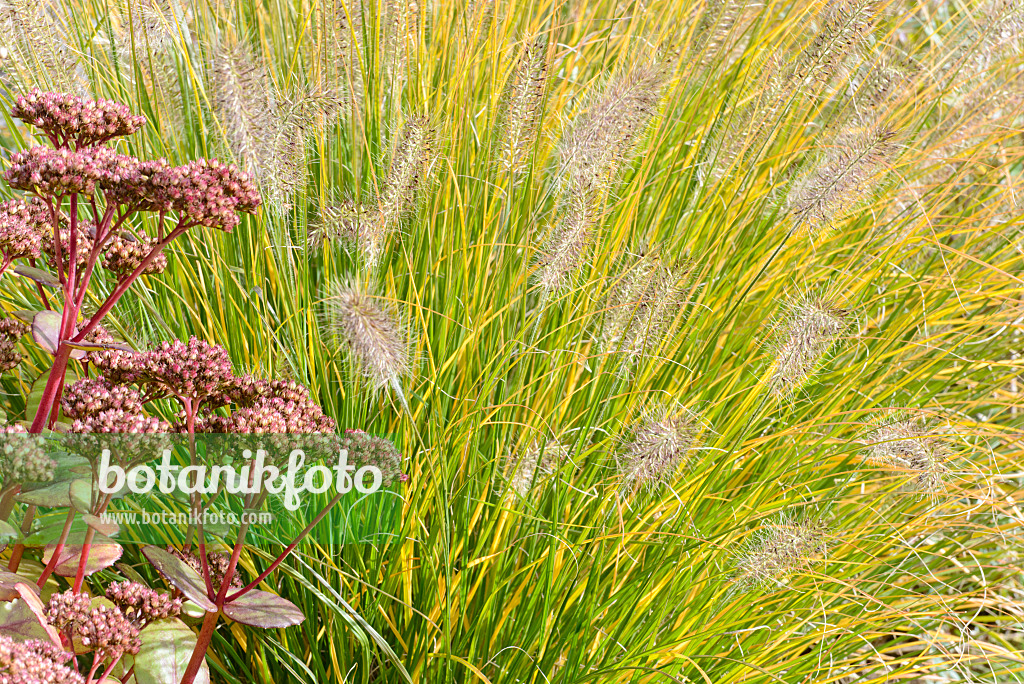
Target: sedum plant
x=81, y=211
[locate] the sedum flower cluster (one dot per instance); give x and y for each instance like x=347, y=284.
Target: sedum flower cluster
x=35, y=662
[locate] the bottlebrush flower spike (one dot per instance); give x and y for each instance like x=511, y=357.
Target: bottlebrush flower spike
x=256, y=130
x=524, y=96
x=410, y=167
x=607, y=134
x=643, y=305
x=343, y=222
x=843, y=176
x=370, y=332
x=801, y=339
x=779, y=551
x=566, y=248
x=911, y=446
x=844, y=25
x=658, y=445
x=540, y=459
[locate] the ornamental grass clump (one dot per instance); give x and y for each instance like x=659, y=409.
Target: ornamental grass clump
x=654, y=297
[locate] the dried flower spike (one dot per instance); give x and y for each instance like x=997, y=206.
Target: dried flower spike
x=809, y=329
x=411, y=162
x=255, y=126
x=523, y=98
x=565, y=250
x=537, y=461
x=607, y=134
x=911, y=446
x=643, y=305
x=843, y=176
x=658, y=445
x=779, y=551
x=370, y=332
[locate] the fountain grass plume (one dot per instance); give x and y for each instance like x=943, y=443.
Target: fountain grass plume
x=607, y=134
x=800, y=339
x=842, y=176
x=371, y=332
x=643, y=304
x=568, y=243
x=521, y=106
x=657, y=445
x=412, y=160
x=776, y=553
x=912, y=446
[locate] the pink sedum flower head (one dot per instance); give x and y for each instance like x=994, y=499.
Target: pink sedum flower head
x=22, y=227
x=68, y=119
x=35, y=662
x=142, y=605
x=11, y=331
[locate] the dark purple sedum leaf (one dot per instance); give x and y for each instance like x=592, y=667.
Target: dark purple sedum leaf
x=263, y=609
x=37, y=274
x=179, y=574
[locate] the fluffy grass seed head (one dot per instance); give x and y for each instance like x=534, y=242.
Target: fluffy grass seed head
x=843, y=26
x=607, y=134
x=811, y=326
x=527, y=468
x=911, y=445
x=841, y=177
x=658, y=445
x=780, y=550
x=412, y=159
x=371, y=332
x=257, y=128
x=643, y=305
x=568, y=244
x=522, y=103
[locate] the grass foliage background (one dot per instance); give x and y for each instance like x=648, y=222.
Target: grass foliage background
x=585, y=579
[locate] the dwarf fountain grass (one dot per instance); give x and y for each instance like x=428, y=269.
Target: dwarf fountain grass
x=914, y=449
x=779, y=550
x=753, y=132
x=522, y=103
x=371, y=333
